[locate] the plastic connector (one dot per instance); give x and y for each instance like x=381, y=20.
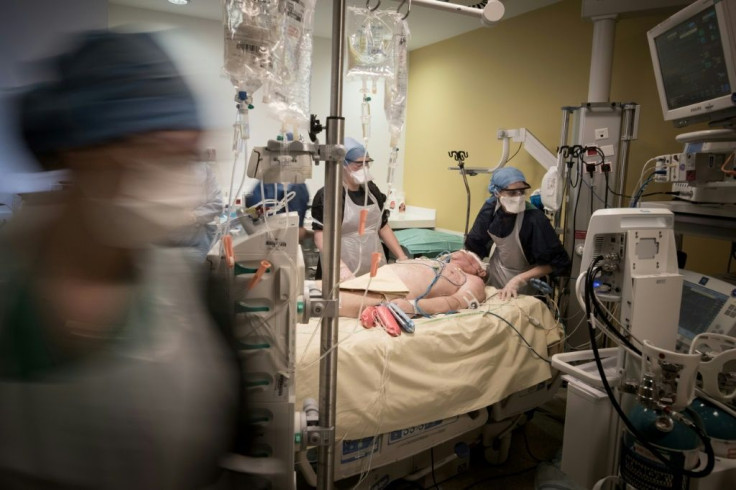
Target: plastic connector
x=605, y=168
x=590, y=168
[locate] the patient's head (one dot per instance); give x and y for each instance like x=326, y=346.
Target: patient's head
x=468, y=262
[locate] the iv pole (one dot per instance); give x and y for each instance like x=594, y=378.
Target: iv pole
x=331, y=248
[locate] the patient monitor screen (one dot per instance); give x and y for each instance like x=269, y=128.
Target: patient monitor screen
x=698, y=309
x=691, y=61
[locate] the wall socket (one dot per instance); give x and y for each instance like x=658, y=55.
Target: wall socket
x=601, y=134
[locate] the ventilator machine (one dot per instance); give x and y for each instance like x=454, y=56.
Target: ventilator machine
x=659, y=434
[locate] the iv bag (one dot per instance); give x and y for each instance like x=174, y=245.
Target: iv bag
x=287, y=93
x=369, y=42
x=396, y=86
x=249, y=41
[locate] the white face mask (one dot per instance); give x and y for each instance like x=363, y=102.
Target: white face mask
x=513, y=204
x=154, y=198
x=361, y=176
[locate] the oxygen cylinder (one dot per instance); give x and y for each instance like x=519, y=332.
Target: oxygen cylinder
x=640, y=468
x=720, y=427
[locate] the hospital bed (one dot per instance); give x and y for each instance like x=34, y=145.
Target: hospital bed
x=460, y=377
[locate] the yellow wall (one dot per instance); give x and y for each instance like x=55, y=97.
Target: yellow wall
x=519, y=73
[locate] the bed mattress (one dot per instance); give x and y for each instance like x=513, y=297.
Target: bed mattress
x=451, y=365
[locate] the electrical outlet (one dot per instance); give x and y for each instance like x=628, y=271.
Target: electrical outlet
x=601, y=134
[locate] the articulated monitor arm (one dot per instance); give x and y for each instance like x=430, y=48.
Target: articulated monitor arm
x=553, y=181
x=531, y=144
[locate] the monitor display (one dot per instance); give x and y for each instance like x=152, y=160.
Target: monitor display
x=693, y=53
x=698, y=309
x=691, y=61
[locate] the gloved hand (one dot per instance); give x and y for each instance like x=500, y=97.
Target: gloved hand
x=345, y=272
x=511, y=289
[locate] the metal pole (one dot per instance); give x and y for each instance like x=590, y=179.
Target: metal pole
x=331, y=256
x=627, y=128
x=448, y=7
x=563, y=141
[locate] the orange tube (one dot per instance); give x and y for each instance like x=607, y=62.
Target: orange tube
x=227, y=242
x=265, y=264
x=375, y=259
x=361, y=226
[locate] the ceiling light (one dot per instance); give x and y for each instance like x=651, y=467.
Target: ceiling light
x=179, y=2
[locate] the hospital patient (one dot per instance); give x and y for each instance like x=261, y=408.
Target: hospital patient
x=419, y=286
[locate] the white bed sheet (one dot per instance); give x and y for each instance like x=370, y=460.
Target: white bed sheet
x=451, y=365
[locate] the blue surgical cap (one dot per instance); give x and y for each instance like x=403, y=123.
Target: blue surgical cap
x=112, y=85
x=504, y=177
x=354, y=150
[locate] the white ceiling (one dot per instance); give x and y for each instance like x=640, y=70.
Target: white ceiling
x=427, y=25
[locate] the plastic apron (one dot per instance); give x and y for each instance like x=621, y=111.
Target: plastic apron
x=356, y=249
x=508, y=259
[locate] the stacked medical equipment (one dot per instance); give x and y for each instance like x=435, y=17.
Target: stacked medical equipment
x=265, y=276
x=632, y=264
x=694, y=58
x=705, y=170
x=268, y=47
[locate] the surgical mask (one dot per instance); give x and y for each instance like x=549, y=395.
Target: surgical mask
x=154, y=198
x=361, y=176
x=513, y=204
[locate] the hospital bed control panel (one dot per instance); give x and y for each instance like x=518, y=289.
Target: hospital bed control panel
x=708, y=305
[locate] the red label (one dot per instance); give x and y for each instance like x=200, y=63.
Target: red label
x=580, y=234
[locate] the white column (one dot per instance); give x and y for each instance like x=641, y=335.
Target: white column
x=601, y=59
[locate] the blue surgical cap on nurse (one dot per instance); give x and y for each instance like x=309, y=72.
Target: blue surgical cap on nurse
x=504, y=177
x=354, y=150
x=112, y=85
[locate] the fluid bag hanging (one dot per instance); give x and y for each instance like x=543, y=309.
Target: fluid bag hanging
x=394, y=97
x=369, y=42
x=249, y=40
x=287, y=92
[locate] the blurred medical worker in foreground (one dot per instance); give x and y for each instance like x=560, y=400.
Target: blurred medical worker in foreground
x=356, y=249
x=526, y=245
x=112, y=373
x=208, y=209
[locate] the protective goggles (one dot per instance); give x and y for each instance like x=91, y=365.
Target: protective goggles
x=359, y=164
x=514, y=192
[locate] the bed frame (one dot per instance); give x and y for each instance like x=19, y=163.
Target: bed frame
x=412, y=453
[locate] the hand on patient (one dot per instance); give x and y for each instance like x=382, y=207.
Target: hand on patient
x=511, y=289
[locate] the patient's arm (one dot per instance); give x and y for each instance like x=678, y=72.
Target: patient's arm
x=473, y=289
x=352, y=302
